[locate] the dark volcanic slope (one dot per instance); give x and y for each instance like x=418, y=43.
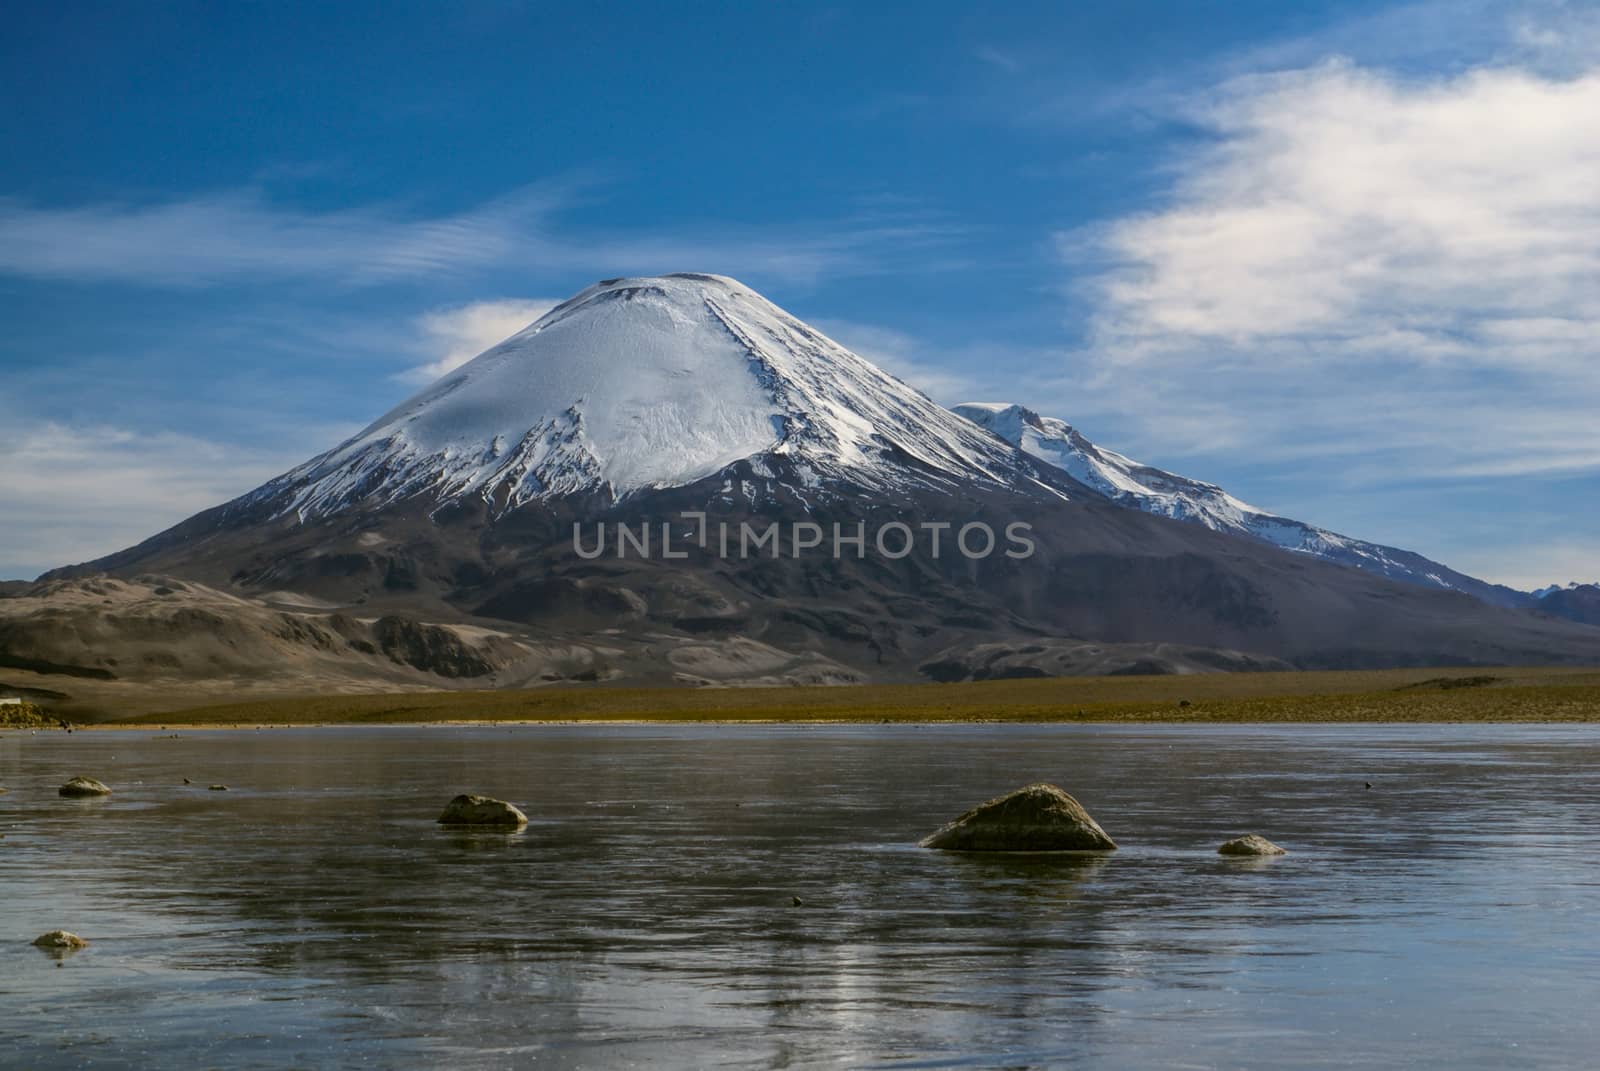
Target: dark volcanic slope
x=1100, y=573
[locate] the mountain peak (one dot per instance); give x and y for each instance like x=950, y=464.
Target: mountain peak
x=685, y=287
x=1005, y=419
x=686, y=279
x=651, y=382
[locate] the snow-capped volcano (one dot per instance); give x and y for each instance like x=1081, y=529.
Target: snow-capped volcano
x=639, y=384
x=647, y=383
x=1152, y=490
x=439, y=538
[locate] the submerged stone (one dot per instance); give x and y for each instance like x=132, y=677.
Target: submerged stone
x=60, y=941
x=1035, y=818
x=1251, y=844
x=467, y=810
x=83, y=786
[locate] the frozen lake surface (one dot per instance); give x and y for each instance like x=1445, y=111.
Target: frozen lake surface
x=316, y=916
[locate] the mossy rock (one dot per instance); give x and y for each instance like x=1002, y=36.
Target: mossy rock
x=467, y=810
x=1034, y=818
x=60, y=941
x=84, y=786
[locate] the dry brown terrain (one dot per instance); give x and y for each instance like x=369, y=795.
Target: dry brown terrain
x=1500, y=694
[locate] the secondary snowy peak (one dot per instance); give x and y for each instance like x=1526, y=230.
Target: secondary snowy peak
x=1138, y=486
x=646, y=383
x=1112, y=475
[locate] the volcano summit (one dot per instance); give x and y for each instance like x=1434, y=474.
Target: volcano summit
x=641, y=384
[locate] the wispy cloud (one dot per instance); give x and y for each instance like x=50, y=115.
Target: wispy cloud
x=73, y=493
x=233, y=236
x=998, y=58
x=459, y=334
x=222, y=237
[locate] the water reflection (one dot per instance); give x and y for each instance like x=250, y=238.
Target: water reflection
x=316, y=912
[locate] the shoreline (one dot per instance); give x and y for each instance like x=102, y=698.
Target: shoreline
x=818, y=722
x=482, y=723
x=1423, y=695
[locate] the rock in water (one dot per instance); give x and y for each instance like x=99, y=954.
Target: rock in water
x=467, y=810
x=1251, y=844
x=60, y=941
x=1036, y=818
x=84, y=786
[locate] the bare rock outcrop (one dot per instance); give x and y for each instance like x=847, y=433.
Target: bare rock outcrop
x=430, y=648
x=1035, y=818
x=59, y=941
x=1251, y=844
x=84, y=786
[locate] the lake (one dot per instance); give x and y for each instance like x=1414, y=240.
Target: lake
x=315, y=915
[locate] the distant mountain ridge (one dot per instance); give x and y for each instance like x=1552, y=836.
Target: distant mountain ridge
x=1138, y=486
x=1569, y=586
x=1575, y=602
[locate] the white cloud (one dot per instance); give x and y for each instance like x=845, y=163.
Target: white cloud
x=1345, y=208
x=73, y=493
x=459, y=334
x=1404, y=275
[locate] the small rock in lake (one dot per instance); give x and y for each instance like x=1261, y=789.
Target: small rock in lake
x=60, y=941
x=83, y=786
x=1250, y=844
x=1367, y=783
x=797, y=901
x=219, y=788
x=1035, y=818
x=467, y=810
x=187, y=781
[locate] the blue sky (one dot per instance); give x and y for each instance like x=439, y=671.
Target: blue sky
x=1343, y=259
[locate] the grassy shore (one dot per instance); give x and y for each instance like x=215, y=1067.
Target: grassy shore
x=1410, y=695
